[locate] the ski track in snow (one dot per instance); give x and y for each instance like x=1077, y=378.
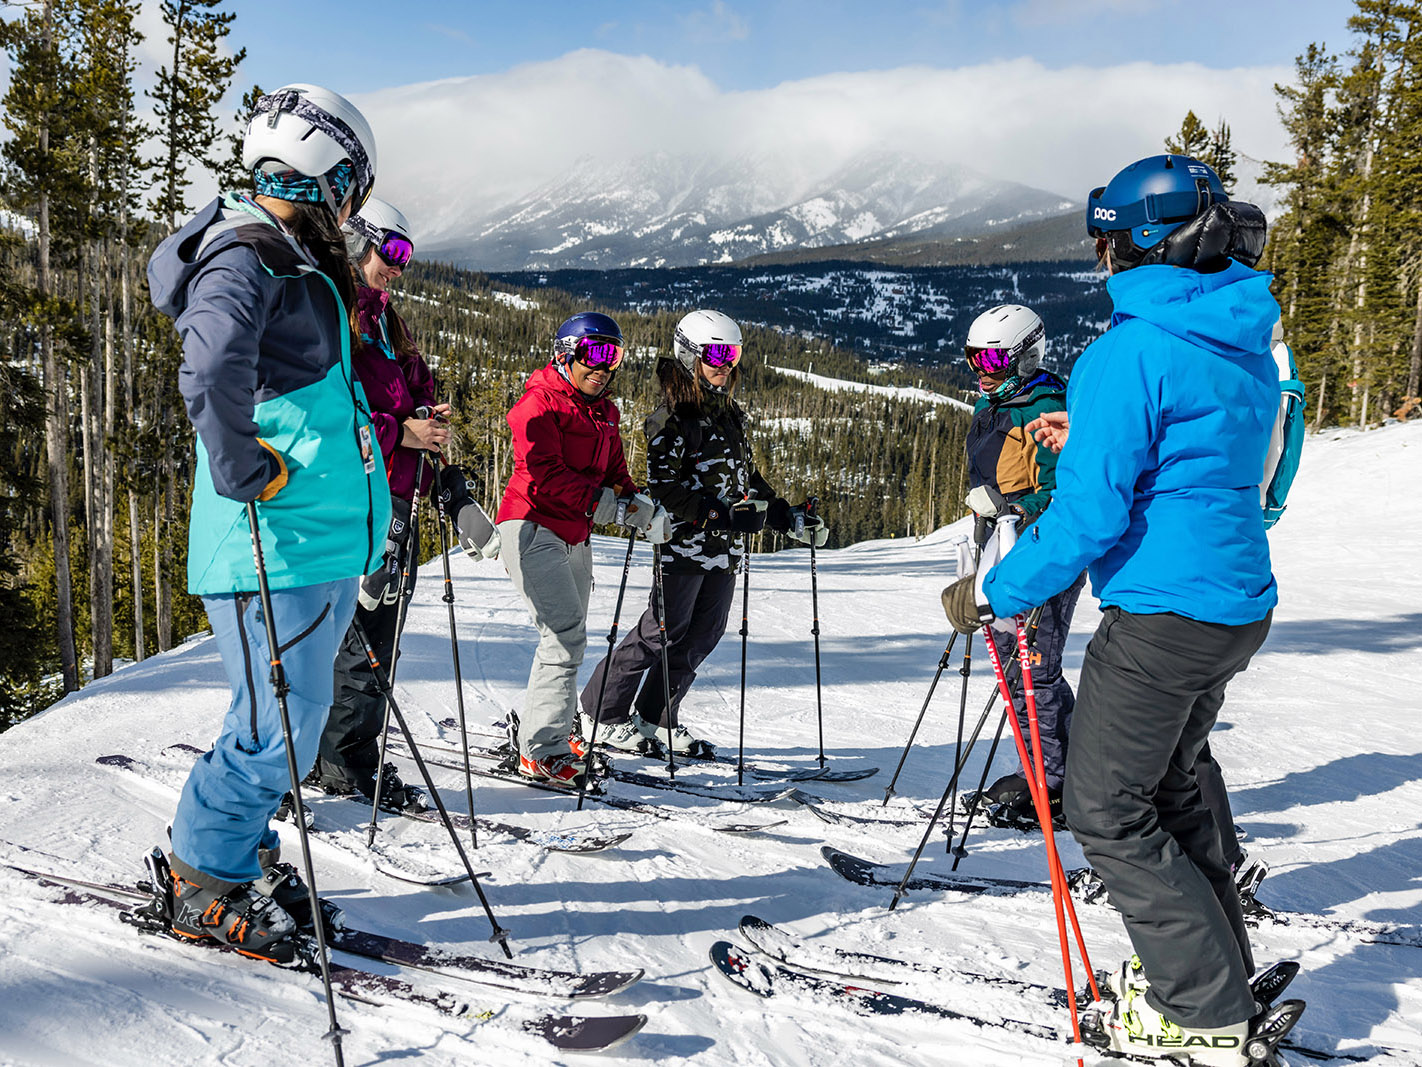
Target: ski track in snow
x=1318, y=740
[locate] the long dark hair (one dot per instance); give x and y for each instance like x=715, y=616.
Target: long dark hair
x=313, y=226
x=685, y=390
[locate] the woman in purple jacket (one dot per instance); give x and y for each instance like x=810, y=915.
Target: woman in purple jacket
x=408, y=423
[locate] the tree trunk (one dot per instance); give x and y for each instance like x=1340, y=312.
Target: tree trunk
x=1414, y=369
x=162, y=526
x=103, y=545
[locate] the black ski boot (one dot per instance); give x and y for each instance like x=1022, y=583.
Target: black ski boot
x=1248, y=873
x=286, y=811
x=396, y=796
x=250, y=922
x=284, y=884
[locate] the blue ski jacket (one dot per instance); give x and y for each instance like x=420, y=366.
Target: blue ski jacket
x=266, y=354
x=1158, y=485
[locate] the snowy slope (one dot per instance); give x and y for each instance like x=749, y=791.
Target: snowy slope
x=1318, y=739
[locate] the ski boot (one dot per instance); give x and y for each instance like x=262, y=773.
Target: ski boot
x=286, y=811
x=1248, y=873
x=1131, y=1027
x=1086, y=885
x=629, y=736
x=243, y=918
x=283, y=884
x=396, y=796
x=565, y=772
x=684, y=744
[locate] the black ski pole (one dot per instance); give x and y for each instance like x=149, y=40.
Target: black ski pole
x=607, y=666
x=446, y=543
x=961, y=850
x=281, y=688
x=966, y=670
x=666, y=677
x=499, y=935
x=745, y=632
x=411, y=547
x=1033, y=624
x=938, y=812
x=810, y=506
x=942, y=664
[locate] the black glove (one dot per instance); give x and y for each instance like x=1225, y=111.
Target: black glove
x=960, y=604
x=454, y=488
x=777, y=516
x=748, y=516
x=713, y=514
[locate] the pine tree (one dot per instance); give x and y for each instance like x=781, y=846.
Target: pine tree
x=1221, y=155
x=1192, y=139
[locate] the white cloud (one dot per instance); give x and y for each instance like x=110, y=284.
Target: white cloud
x=456, y=149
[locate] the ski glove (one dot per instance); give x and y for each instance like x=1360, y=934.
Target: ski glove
x=604, y=506
x=806, y=526
x=659, y=530
x=960, y=604
x=472, y=525
x=986, y=501
x=636, y=511
x=275, y=486
x=748, y=515
x=713, y=514
x=777, y=516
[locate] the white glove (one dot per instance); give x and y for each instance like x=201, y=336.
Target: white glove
x=986, y=501
x=807, y=528
x=605, y=509
x=637, y=511
x=659, y=530
x=477, y=535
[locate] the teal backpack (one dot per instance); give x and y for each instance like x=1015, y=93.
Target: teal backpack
x=1281, y=462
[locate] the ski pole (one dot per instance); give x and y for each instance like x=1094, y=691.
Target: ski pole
x=966, y=670
x=745, y=632
x=446, y=543
x=1037, y=786
x=666, y=676
x=412, y=546
x=902, y=887
x=281, y=688
x=810, y=505
x=607, y=666
x=499, y=934
x=942, y=663
x=1033, y=624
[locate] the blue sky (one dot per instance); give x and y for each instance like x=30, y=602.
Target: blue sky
x=738, y=44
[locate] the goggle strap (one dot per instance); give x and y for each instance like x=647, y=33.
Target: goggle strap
x=296, y=102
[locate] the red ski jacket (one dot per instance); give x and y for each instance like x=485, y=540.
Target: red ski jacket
x=566, y=448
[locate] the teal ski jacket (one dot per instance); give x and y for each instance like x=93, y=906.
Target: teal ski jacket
x=266, y=354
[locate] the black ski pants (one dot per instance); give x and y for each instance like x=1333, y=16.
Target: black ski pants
x=1151, y=689
x=1054, y=698
x=350, y=744
x=697, y=606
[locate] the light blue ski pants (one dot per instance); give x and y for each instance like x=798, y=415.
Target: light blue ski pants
x=235, y=788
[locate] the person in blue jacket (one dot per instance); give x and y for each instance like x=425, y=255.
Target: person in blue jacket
x=260, y=289
x=1158, y=496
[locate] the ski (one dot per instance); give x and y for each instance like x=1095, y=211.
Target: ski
x=621, y=803
x=756, y=771
x=865, y=872
x=478, y=970
x=568, y=1033
x=550, y=840
x=839, y=965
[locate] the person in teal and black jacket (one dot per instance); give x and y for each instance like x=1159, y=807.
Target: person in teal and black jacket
x=259, y=289
x=1004, y=349
x=1158, y=495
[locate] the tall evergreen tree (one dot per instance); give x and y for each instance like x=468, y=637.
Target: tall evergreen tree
x=1192, y=139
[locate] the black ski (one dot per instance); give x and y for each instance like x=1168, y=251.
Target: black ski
x=495, y=973
x=551, y=840
x=569, y=1033
x=865, y=872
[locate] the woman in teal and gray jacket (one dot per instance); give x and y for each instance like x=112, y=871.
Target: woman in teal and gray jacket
x=259, y=289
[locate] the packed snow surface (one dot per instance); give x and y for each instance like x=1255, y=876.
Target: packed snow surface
x=1319, y=741
x=900, y=392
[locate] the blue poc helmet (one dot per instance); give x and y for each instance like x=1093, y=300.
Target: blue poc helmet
x=585, y=324
x=1148, y=201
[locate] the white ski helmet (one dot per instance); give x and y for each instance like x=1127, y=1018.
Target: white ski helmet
x=699, y=329
x=309, y=129
x=1015, y=334
x=372, y=225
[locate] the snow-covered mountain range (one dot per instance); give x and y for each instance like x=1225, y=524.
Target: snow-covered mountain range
x=664, y=209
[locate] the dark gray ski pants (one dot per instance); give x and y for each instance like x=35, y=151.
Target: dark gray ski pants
x=697, y=606
x=1151, y=689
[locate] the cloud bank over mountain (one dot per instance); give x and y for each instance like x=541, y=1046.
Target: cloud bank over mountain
x=462, y=153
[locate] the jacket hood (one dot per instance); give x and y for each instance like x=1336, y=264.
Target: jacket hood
x=214, y=228
x=1230, y=312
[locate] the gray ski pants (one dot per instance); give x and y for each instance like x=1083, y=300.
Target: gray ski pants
x=1151, y=689
x=555, y=580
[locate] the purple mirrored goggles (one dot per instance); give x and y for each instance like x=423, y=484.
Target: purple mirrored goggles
x=719, y=355
x=598, y=352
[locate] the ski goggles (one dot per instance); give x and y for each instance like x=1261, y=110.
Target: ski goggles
x=598, y=352
x=719, y=355
x=391, y=246
x=990, y=361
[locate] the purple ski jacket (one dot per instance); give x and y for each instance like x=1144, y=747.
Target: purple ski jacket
x=395, y=385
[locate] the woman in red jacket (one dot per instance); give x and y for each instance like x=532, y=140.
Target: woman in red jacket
x=569, y=473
